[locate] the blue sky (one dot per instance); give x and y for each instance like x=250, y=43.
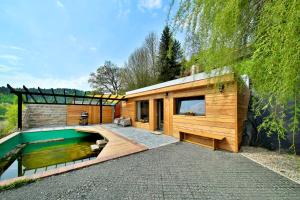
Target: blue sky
x=58, y=43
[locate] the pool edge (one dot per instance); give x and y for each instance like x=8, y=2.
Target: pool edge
x=100, y=158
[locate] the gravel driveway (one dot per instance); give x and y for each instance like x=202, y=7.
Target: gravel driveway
x=175, y=171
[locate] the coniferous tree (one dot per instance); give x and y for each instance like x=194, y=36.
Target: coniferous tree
x=169, y=56
x=176, y=58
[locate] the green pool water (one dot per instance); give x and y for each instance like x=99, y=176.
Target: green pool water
x=66, y=148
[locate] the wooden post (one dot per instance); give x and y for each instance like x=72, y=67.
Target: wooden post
x=101, y=111
x=152, y=115
x=20, y=171
x=181, y=136
x=214, y=144
x=20, y=111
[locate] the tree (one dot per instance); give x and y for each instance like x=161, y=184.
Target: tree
x=151, y=45
x=169, y=56
x=215, y=29
x=107, y=78
x=137, y=71
x=141, y=68
x=176, y=58
x=255, y=37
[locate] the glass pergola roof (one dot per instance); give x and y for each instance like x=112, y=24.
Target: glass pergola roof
x=65, y=97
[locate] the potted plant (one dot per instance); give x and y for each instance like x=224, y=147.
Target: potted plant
x=190, y=113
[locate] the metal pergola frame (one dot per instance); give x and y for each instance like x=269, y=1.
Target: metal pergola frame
x=31, y=97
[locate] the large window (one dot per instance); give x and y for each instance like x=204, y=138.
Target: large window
x=142, y=111
x=194, y=106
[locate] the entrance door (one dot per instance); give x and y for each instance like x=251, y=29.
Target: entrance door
x=160, y=114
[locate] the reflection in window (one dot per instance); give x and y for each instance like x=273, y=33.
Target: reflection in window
x=190, y=106
x=142, y=111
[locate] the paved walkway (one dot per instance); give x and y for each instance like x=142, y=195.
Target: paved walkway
x=175, y=171
x=141, y=136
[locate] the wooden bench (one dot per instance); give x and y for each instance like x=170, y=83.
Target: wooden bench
x=212, y=136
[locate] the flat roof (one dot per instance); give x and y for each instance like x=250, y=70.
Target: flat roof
x=187, y=79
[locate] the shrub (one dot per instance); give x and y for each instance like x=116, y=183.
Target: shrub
x=3, y=109
x=12, y=118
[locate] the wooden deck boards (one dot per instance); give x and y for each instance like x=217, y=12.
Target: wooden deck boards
x=117, y=145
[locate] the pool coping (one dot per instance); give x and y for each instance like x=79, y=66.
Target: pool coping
x=2, y=140
x=112, y=150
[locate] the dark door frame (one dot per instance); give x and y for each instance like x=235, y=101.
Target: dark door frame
x=159, y=114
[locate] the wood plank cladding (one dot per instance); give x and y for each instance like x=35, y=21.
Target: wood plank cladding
x=74, y=112
x=218, y=119
x=225, y=112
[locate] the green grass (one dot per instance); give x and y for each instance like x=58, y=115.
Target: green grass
x=3, y=125
x=16, y=184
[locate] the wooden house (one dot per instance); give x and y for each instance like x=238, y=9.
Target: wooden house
x=209, y=110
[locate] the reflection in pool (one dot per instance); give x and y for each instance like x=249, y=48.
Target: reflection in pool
x=66, y=148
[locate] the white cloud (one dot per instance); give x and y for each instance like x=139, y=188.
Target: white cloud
x=12, y=47
x=149, y=4
x=11, y=59
x=5, y=68
x=72, y=38
x=60, y=4
x=123, y=13
x=93, y=48
x=20, y=79
x=123, y=8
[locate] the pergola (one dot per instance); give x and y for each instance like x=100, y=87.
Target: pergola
x=50, y=96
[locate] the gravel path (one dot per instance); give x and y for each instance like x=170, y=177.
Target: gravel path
x=175, y=171
x=285, y=164
x=141, y=136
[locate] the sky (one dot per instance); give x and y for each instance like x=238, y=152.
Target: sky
x=58, y=43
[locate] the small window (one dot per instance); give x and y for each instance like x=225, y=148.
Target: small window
x=194, y=106
x=142, y=111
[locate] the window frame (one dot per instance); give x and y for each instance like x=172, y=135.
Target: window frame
x=200, y=97
x=136, y=111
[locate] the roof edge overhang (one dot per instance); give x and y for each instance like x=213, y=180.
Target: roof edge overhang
x=197, y=80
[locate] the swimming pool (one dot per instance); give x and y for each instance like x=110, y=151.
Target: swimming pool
x=29, y=153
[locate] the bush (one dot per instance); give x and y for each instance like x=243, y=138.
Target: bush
x=3, y=109
x=7, y=98
x=2, y=127
x=12, y=118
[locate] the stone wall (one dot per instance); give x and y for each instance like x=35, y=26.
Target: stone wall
x=46, y=115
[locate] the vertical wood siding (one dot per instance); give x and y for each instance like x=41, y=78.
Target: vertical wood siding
x=74, y=112
x=225, y=112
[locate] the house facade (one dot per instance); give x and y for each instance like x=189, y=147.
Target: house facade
x=209, y=110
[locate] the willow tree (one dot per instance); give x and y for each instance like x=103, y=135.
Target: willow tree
x=255, y=37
